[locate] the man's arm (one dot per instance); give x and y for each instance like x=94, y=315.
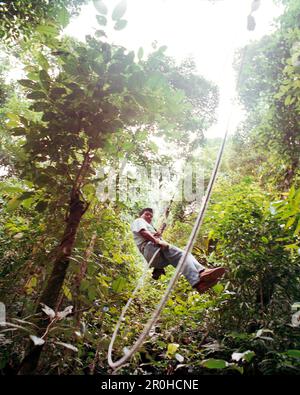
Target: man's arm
x=149, y=236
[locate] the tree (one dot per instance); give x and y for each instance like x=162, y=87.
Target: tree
x=20, y=18
x=85, y=94
x=268, y=90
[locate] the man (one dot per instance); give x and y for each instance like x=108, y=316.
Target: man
x=148, y=241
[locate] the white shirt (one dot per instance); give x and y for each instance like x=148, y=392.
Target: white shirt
x=137, y=226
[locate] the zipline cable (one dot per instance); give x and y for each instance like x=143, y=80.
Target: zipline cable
x=182, y=261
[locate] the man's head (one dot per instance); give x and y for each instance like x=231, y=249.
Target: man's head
x=147, y=214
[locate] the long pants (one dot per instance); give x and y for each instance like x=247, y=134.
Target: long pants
x=172, y=256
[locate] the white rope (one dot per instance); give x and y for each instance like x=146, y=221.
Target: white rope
x=182, y=261
x=176, y=275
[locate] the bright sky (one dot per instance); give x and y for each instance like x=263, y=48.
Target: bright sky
x=209, y=31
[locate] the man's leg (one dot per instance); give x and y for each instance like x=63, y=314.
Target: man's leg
x=196, y=274
x=192, y=268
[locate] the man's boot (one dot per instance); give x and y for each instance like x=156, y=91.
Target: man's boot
x=202, y=286
x=157, y=273
x=209, y=278
x=208, y=275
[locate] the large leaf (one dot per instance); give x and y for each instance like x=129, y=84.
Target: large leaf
x=120, y=24
x=100, y=6
x=48, y=30
x=45, y=79
x=119, y=284
x=63, y=17
x=29, y=84
x=172, y=348
x=13, y=117
x=13, y=204
x=39, y=106
x=214, y=363
x=37, y=95
x=58, y=91
x=294, y=353
x=101, y=20
x=4, y=187
x=119, y=10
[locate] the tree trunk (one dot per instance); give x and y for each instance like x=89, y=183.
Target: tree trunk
x=51, y=293
x=61, y=258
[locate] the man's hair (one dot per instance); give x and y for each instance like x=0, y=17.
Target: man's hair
x=146, y=209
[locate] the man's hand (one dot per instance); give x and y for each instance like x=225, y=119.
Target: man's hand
x=163, y=244
x=157, y=234
x=149, y=236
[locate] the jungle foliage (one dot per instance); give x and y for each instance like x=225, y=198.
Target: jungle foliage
x=68, y=263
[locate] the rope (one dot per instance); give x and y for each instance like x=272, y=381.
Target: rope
x=182, y=261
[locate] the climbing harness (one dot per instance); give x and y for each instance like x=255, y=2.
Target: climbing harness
x=182, y=261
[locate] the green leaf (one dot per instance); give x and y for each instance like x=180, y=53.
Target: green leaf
x=293, y=353
x=36, y=95
x=214, y=363
x=43, y=62
x=58, y=91
x=100, y=33
x=297, y=230
x=44, y=79
x=120, y=24
x=119, y=10
x=48, y=30
x=44, y=76
x=13, y=117
x=290, y=222
x=28, y=203
x=288, y=100
x=67, y=292
x=218, y=288
x=162, y=48
x=100, y=6
x=13, y=204
x=63, y=17
x=101, y=20
x=26, y=195
x=28, y=84
x=291, y=246
x=119, y=284
x=172, y=348
x=9, y=188
x=39, y=106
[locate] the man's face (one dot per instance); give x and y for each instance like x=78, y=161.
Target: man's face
x=147, y=215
